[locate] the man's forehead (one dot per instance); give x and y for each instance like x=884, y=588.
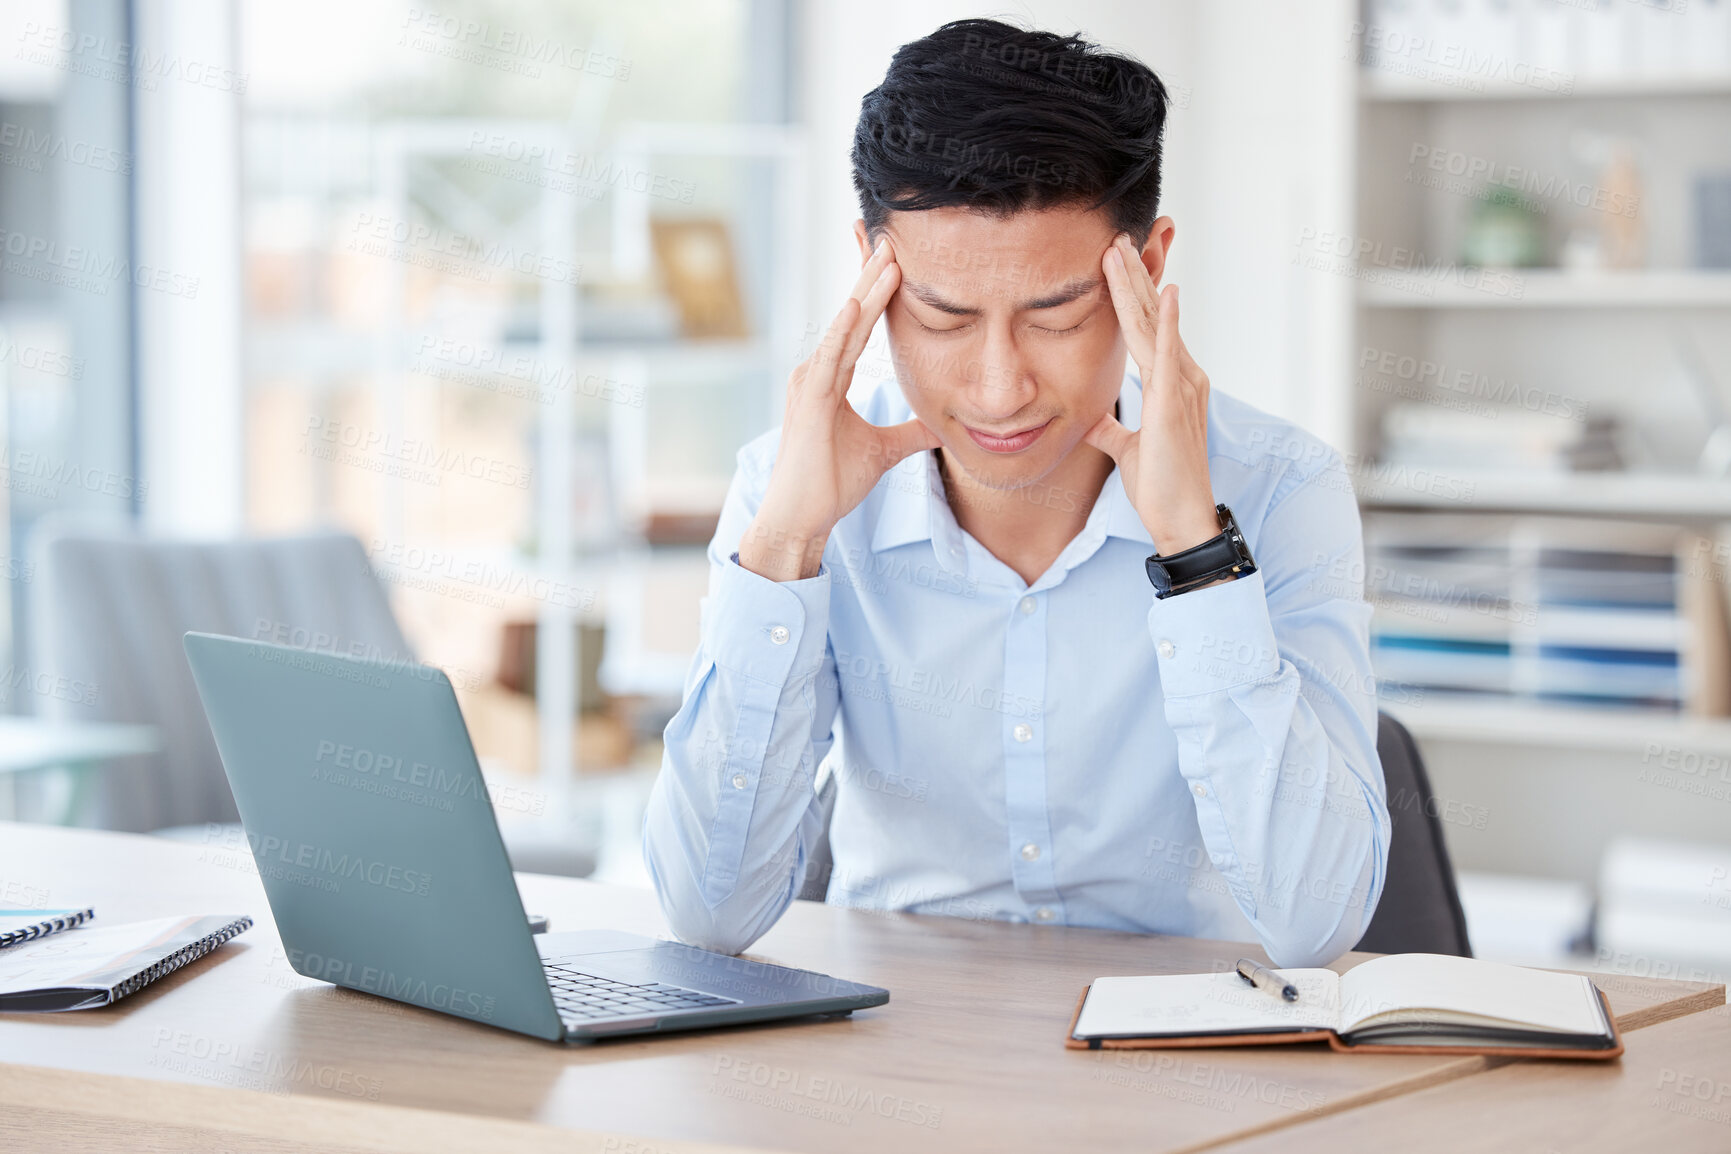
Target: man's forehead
x=1027, y=255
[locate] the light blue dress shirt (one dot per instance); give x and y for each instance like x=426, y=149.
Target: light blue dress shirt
x=1070, y=752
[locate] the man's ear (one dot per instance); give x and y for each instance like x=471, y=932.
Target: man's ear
x=865, y=244
x=1159, y=244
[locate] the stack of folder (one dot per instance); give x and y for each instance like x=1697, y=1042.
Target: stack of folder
x=1545, y=610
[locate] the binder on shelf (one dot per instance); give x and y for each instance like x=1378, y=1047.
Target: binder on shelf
x=1565, y=610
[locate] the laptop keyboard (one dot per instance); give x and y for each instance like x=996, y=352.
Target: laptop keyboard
x=586, y=998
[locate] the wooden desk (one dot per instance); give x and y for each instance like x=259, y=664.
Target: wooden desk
x=968, y=1055
x=1671, y=1091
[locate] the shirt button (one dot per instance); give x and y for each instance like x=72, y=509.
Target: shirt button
x=1199, y=790
x=739, y=781
x=1045, y=914
x=1028, y=605
x=1030, y=852
x=779, y=635
x=1167, y=649
x=1023, y=732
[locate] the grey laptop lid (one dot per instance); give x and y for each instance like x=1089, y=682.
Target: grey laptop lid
x=372, y=828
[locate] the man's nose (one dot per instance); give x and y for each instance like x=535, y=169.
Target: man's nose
x=1001, y=383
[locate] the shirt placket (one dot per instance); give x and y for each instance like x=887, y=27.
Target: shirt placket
x=1023, y=724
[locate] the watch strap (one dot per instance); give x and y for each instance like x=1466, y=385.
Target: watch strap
x=1226, y=555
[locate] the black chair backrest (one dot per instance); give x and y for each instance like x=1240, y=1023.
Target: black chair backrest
x=1420, y=911
x=821, y=863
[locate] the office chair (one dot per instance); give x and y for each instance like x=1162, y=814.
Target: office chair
x=1420, y=910
x=107, y=611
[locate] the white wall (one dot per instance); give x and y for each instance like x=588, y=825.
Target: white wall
x=1258, y=146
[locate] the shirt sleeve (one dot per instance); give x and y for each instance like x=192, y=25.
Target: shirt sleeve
x=734, y=810
x=1268, y=688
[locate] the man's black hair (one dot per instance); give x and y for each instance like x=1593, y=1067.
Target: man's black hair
x=994, y=118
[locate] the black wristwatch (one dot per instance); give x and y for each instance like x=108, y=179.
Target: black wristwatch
x=1224, y=556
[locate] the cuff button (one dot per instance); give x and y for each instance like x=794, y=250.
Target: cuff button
x=1167, y=649
x=779, y=635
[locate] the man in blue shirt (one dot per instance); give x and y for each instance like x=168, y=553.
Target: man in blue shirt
x=950, y=595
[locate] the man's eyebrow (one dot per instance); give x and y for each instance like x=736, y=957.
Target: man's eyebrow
x=1063, y=295
x=930, y=295
x=1069, y=291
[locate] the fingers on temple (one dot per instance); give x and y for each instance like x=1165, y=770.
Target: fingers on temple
x=871, y=308
x=1140, y=281
x=1132, y=315
x=819, y=372
x=868, y=273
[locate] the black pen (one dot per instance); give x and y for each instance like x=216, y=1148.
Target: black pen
x=1264, y=978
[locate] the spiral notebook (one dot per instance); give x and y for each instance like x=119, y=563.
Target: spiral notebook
x=22, y=925
x=95, y=966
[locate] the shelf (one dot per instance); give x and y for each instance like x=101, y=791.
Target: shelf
x=1388, y=88
x=1678, y=495
x=1608, y=728
x=1549, y=289
x=322, y=349
x=687, y=358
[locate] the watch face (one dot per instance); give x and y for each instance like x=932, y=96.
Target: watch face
x=1158, y=576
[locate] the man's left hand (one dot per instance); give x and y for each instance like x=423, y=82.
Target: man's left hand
x=1163, y=464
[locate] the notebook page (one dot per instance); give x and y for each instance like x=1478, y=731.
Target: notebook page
x=94, y=957
x=1564, y=1003
x=1180, y=1004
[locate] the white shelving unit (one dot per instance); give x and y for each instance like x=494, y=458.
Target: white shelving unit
x=1559, y=727
x=1393, y=89
x=770, y=350
x=1550, y=289
x=1655, y=496
x=397, y=146
x=1601, y=337
x=655, y=365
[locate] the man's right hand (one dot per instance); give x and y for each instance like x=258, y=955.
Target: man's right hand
x=830, y=457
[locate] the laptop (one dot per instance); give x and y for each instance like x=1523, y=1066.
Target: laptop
x=382, y=861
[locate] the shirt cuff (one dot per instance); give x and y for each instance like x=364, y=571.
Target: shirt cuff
x=766, y=629
x=1211, y=639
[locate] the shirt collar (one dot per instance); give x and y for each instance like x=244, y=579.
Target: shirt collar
x=914, y=507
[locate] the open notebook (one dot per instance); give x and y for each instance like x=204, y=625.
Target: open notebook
x=1398, y=1002
x=94, y=966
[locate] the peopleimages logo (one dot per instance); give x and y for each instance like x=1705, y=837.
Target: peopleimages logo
x=793, y=1091
x=418, y=458
x=383, y=766
x=436, y=995
x=274, y=854
x=74, y=266
x=120, y=61
x=31, y=146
